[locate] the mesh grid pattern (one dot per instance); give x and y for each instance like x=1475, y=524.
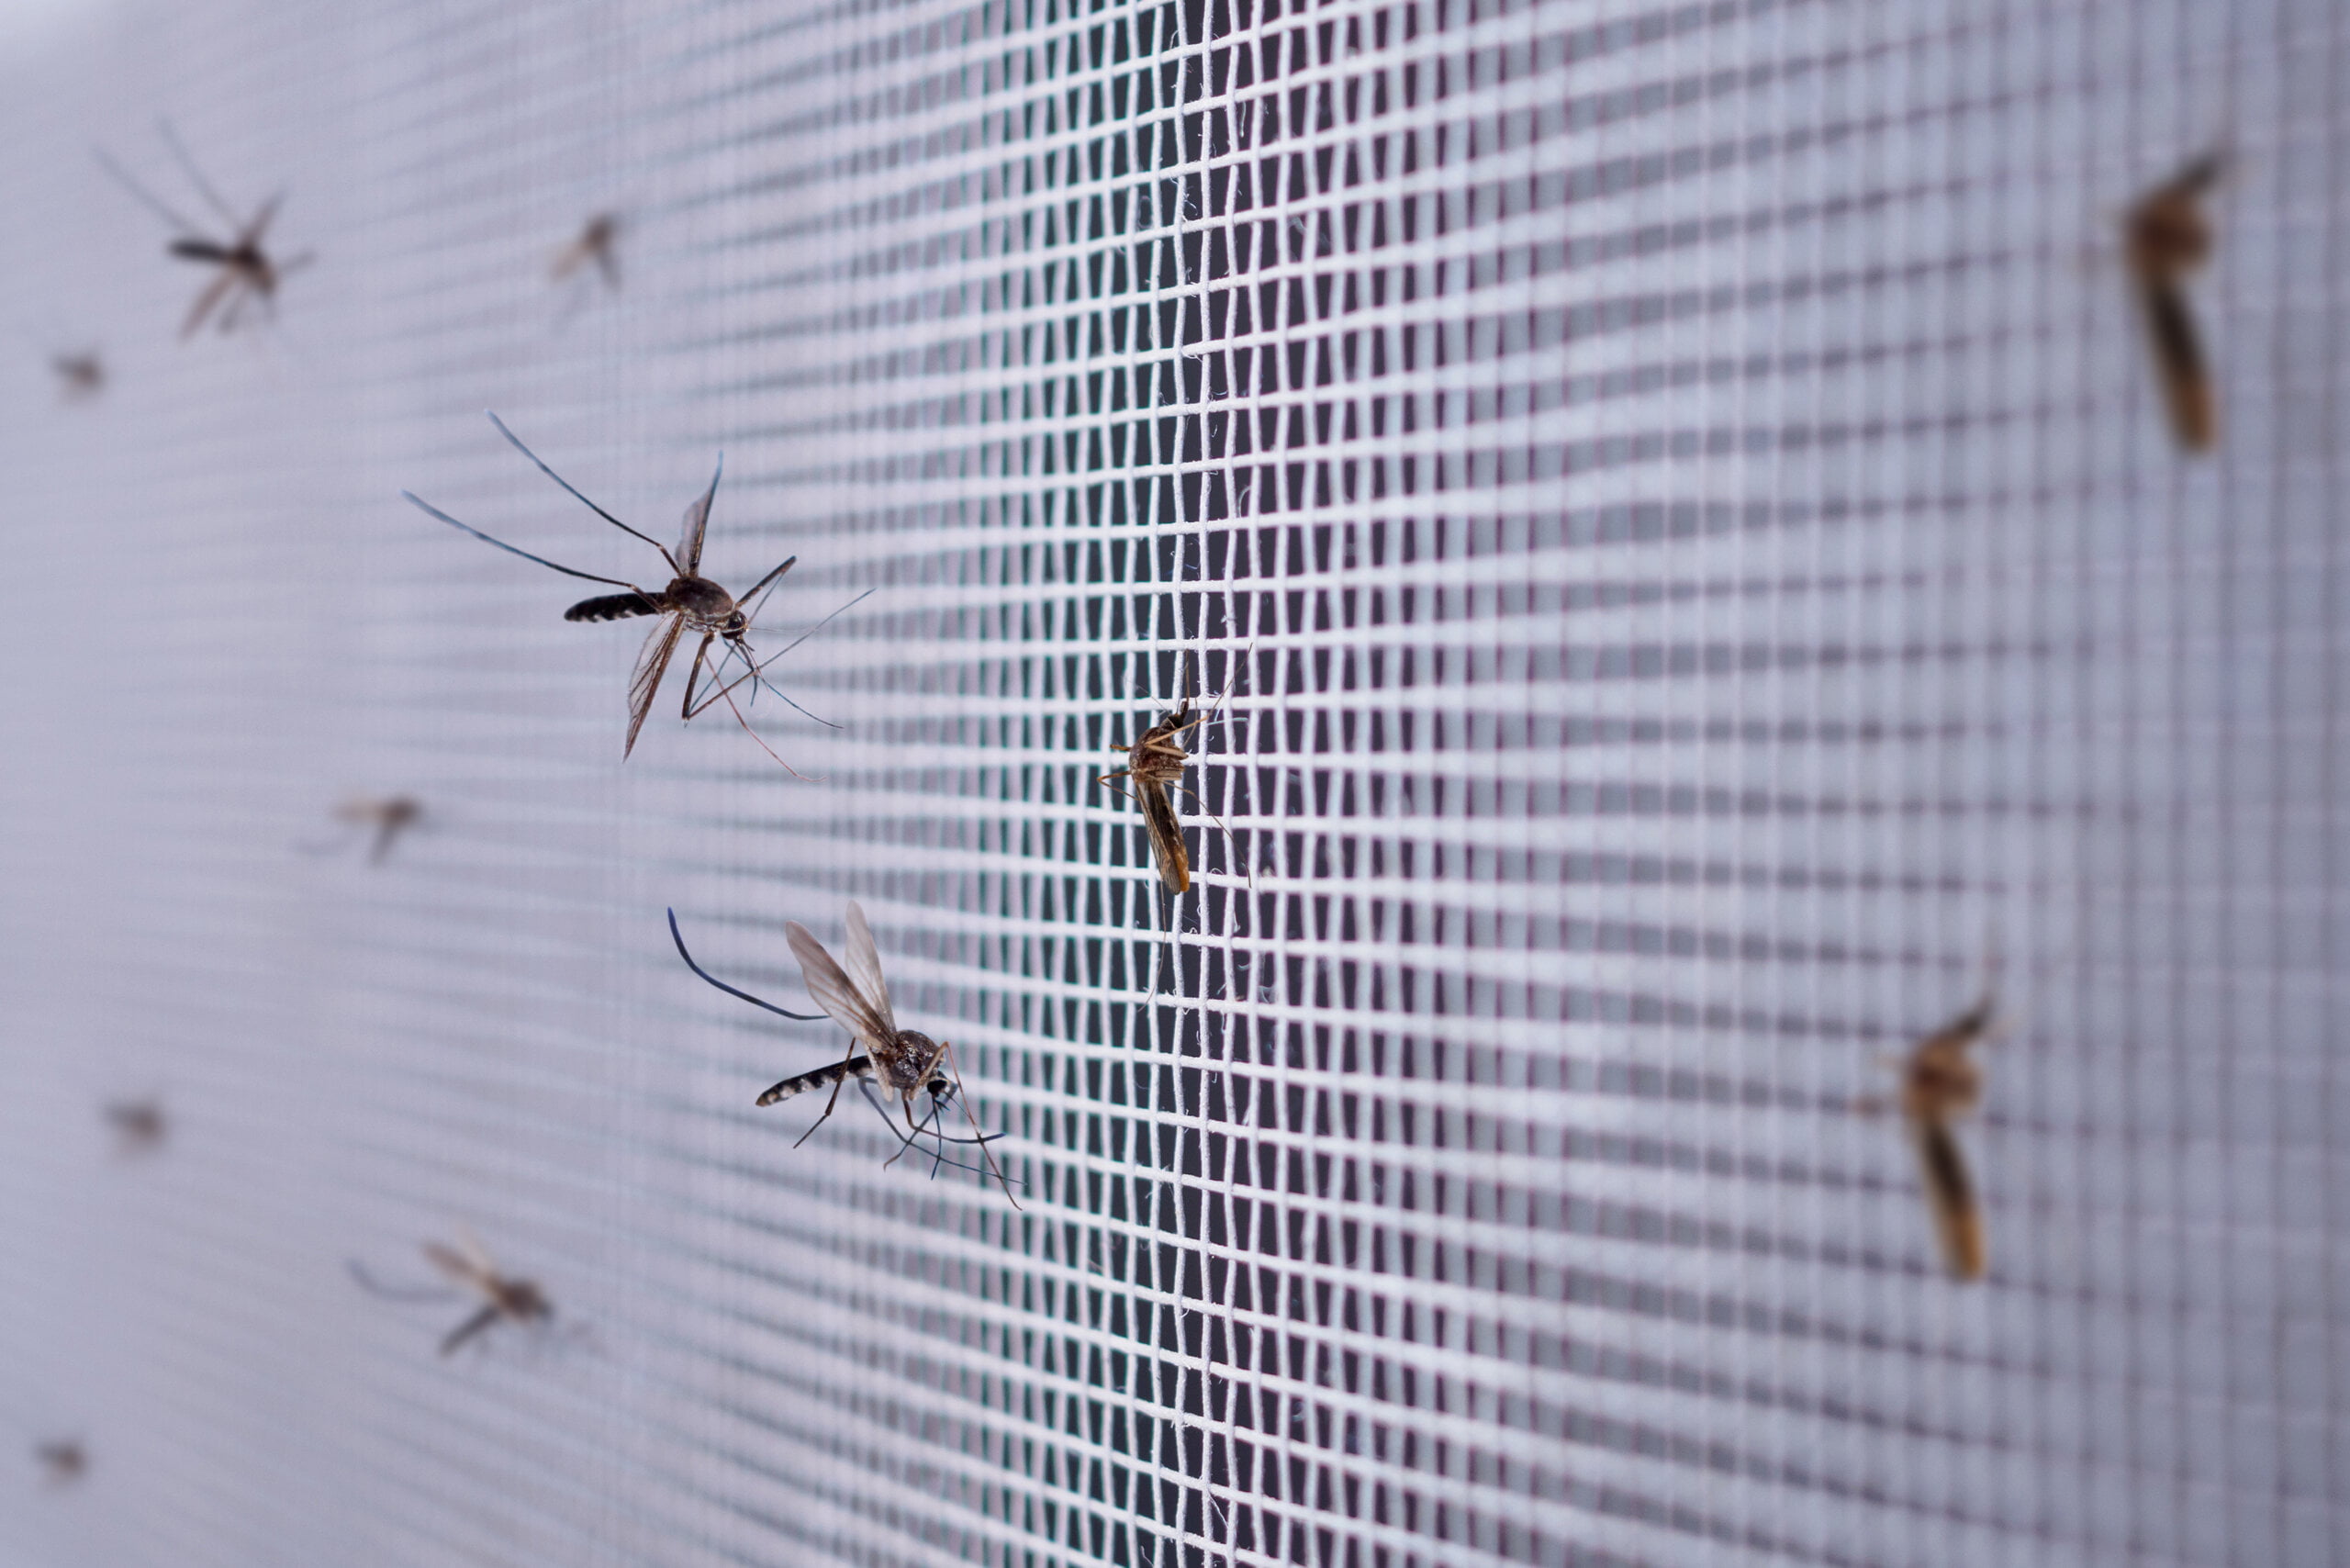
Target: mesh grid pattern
x=1667, y=504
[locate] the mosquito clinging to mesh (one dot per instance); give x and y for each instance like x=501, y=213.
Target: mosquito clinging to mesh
x=246, y=270
x=1156, y=761
x=1940, y=1081
x=904, y=1063
x=691, y=602
x=469, y=1268
x=2167, y=237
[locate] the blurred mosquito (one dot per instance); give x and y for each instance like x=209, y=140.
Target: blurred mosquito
x=139, y=1125
x=246, y=272
x=2169, y=236
x=595, y=245
x=468, y=1268
x=63, y=1462
x=80, y=376
x=691, y=602
x=390, y=816
x=1940, y=1081
x=1156, y=761
x=903, y=1062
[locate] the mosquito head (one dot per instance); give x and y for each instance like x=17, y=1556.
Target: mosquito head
x=736, y=627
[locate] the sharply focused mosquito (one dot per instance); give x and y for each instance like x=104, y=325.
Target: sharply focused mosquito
x=64, y=1461
x=2169, y=237
x=1155, y=761
x=903, y=1062
x=1940, y=1081
x=246, y=272
x=595, y=245
x=690, y=603
x=468, y=1267
x=390, y=816
x=139, y=1125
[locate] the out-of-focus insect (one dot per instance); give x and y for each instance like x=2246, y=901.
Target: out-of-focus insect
x=390, y=816
x=903, y=1062
x=1940, y=1083
x=2169, y=236
x=595, y=245
x=691, y=602
x=246, y=272
x=467, y=1266
x=139, y=1125
x=64, y=1463
x=1155, y=761
x=80, y=376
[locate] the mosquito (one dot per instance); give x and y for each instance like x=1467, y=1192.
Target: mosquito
x=390, y=817
x=64, y=1461
x=80, y=376
x=1940, y=1081
x=1155, y=761
x=139, y=1125
x=246, y=272
x=468, y=1267
x=594, y=245
x=690, y=603
x=2169, y=236
x=902, y=1061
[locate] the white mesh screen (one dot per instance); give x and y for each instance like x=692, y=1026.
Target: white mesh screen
x=1676, y=496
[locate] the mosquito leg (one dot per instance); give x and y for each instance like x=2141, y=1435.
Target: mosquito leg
x=693, y=673
x=468, y=1328
x=678, y=938
x=834, y=1098
x=195, y=177
x=945, y=1055
x=373, y=1286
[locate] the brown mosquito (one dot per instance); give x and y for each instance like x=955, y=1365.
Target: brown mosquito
x=904, y=1063
x=468, y=1267
x=1156, y=761
x=595, y=245
x=80, y=376
x=245, y=272
x=139, y=1125
x=690, y=603
x=1940, y=1081
x=390, y=817
x=2168, y=235
x=64, y=1463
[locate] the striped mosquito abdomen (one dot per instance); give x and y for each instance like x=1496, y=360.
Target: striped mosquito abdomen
x=819, y=1078
x=612, y=607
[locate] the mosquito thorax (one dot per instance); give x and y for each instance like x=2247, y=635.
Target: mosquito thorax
x=912, y=1056
x=702, y=602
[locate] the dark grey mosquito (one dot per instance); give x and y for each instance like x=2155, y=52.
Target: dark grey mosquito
x=64, y=1461
x=904, y=1063
x=2167, y=237
x=80, y=376
x=246, y=271
x=595, y=245
x=690, y=603
x=468, y=1268
x=139, y=1125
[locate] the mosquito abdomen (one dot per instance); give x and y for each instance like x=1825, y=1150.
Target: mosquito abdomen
x=611, y=607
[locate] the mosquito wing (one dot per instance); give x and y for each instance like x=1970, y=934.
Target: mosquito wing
x=651, y=665
x=1166, y=832
x=697, y=523
x=456, y=1266
x=864, y=965
x=836, y=996
x=1950, y=1194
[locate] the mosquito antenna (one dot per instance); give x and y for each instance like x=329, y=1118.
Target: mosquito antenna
x=153, y=202
x=431, y=511
x=375, y=1287
x=583, y=501
x=195, y=175
x=679, y=938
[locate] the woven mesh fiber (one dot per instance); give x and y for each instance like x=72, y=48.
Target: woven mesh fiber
x=1663, y=514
